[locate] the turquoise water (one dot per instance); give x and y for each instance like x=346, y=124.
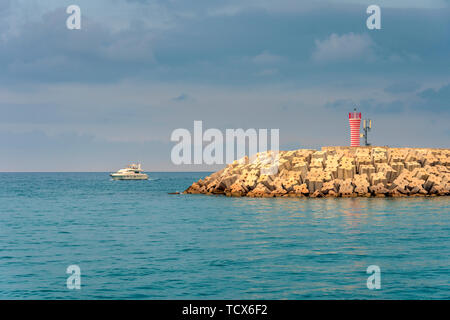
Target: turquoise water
x=132, y=240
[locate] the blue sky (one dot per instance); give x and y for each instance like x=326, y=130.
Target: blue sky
x=97, y=98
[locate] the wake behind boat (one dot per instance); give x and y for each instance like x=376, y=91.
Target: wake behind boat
x=132, y=172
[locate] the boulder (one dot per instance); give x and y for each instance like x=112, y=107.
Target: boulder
x=410, y=166
x=237, y=190
x=301, y=189
x=226, y=182
x=367, y=169
x=378, y=189
x=266, y=180
x=398, y=167
x=377, y=178
x=291, y=180
x=327, y=187
x=345, y=171
x=259, y=191
x=430, y=182
x=317, y=194
x=361, y=184
x=346, y=188
x=278, y=187
x=387, y=170
x=193, y=189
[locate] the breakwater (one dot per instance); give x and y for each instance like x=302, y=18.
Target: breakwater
x=333, y=172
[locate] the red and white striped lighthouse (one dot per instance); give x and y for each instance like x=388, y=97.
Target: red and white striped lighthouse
x=354, y=119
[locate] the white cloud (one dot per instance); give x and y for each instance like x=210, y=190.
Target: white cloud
x=403, y=58
x=267, y=58
x=344, y=47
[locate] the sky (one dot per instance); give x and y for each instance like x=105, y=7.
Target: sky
x=112, y=93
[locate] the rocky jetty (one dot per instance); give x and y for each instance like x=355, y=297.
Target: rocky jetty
x=334, y=172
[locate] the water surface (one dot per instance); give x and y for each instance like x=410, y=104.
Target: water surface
x=134, y=241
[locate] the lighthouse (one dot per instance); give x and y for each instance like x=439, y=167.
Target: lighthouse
x=354, y=119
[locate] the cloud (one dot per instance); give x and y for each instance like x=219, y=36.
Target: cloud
x=367, y=106
x=346, y=47
x=402, y=87
x=404, y=58
x=225, y=49
x=435, y=99
x=181, y=97
x=267, y=58
x=142, y=68
x=46, y=50
x=5, y=6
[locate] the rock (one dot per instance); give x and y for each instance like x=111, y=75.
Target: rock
x=421, y=174
x=388, y=172
x=412, y=165
x=418, y=190
x=301, y=189
x=395, y=193
x=363, y=160
x=193, y=189
x=333, y=171
x=400, y=184
x=398, y=167
x=345, y=171
x=315, y=178
x=226, y=182
x=377, y=178
x=301, y=167
x=361, y=184
x=284, y=164
x=266, y=180
x=367, y=169
x=237, y=190
x=415, y=186
x=278, y=188
x=314, y=184
x=316, y=163
x=259, y=191
x=316, y=194
x=250, y=179
x=378, y=189
x=328, y=187
x=346, y=188
x=290, y=180
x=431, y=181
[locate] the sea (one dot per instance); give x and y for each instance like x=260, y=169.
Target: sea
x=133, y=240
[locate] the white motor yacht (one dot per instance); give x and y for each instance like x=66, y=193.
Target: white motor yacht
x=132, y=172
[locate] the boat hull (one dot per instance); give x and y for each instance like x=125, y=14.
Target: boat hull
x=129, y=177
